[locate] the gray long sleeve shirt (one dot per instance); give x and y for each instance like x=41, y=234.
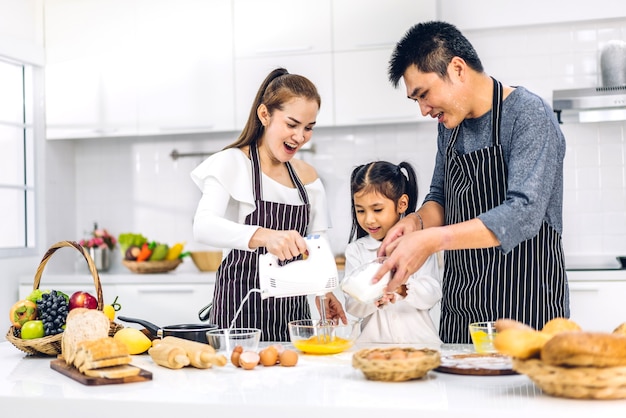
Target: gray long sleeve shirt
x=534, y=148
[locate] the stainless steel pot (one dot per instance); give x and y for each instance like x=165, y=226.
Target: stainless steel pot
x=193, y=332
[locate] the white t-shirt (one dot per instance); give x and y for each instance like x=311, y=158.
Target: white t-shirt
x=225, y=179
x=408, y=319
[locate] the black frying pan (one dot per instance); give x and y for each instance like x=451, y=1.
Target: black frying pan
x=193, y=332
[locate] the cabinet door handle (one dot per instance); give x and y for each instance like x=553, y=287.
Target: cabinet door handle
x=153, y=291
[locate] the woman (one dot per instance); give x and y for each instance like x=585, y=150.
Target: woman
x=256, y=197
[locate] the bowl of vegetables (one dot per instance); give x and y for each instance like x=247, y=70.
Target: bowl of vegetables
x=141, y=255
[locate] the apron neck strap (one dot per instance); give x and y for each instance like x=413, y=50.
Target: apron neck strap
x=496, y=111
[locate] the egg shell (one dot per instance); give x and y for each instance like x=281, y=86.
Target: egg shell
x=397, y=354
x=234, y=357
x=288, y=358
x=248, y=360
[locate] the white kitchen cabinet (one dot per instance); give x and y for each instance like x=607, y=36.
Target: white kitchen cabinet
x=138, y=67
x=90, y=72
x=365, y=33
x=597, y=299
x=250, y=73
x=368, y=24
x=479, y=14
x=281, y=27
x=185, y=66
x=148, y=297
x=293, y=34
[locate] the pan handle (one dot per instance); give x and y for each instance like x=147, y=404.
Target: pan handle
x=154, y=329
x=204, y=313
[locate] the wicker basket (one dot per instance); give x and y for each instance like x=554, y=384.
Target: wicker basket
x=575, y=382
x=151, y=267
x=395, y=370
x=51, y=345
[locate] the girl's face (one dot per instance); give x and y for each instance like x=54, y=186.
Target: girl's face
x=376, y=214
x=287, y=130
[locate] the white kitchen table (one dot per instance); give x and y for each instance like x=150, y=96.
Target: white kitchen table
x=318, y=387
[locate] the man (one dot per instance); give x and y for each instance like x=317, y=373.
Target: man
x=495, y=201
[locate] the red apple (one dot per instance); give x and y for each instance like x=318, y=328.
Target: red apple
x=83, y=300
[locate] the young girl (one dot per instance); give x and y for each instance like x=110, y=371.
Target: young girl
x=382, y=193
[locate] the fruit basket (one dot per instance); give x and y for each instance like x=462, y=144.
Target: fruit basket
x=396, y=364
x=575, y=382
x=151, y=267
x=51, y=345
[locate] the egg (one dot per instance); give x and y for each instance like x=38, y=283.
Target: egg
x=248, y=360
x=288, y=358
x=269, y=356
x=376, y=355
x=397, y=354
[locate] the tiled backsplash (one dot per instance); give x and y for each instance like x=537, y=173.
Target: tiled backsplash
x=133, y=184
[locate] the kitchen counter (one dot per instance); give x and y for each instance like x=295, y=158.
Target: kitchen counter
x=319, y=386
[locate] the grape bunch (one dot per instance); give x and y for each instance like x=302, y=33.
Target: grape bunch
x=52, y=309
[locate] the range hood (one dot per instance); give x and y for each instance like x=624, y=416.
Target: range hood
x=593, y=104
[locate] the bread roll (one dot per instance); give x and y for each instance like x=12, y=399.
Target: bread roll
x=557, y=325
x=520, y=343
x=621, y=329
x=589, y=349
x=505, y=323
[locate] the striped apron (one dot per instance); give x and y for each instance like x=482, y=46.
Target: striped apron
x=527, y=284
x=239, y=271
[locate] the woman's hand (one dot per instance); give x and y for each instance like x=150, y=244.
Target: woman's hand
x=283, y=244
x=333, y=308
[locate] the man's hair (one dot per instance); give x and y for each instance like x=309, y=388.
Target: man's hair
x=430, y=46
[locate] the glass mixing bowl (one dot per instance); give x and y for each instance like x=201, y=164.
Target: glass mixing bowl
x=311, y=337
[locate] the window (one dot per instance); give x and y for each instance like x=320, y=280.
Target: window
x=17, y=179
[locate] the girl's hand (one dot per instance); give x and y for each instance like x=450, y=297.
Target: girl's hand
x=385, y=299
x=334, y=310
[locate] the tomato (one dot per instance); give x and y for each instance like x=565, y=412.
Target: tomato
x=32, y=329
x=22, y=311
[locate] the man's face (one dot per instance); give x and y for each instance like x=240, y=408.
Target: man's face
x=438, y=97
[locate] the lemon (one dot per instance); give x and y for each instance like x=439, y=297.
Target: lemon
x=136, y=341
x=109, y=311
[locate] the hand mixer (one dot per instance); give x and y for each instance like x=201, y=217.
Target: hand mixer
x=316, y=274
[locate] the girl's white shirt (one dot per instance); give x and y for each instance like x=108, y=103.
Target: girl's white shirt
x=408, y=319
x=225, y=179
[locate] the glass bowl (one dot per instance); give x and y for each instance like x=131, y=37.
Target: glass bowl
x=223, y=340
x=483, y=334
x=358, y=284
x=310, y=337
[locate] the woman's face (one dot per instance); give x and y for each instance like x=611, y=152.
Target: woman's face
x=287, y=130
x=376, y=214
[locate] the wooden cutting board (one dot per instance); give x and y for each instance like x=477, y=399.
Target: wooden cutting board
x=70, y=371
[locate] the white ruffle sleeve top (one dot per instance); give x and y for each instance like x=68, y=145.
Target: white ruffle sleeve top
x=225, y=179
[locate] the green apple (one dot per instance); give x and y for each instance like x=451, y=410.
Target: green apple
x=32, y=329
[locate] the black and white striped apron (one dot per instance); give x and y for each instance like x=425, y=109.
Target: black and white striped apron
x=528, y=283
x=238, y=272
